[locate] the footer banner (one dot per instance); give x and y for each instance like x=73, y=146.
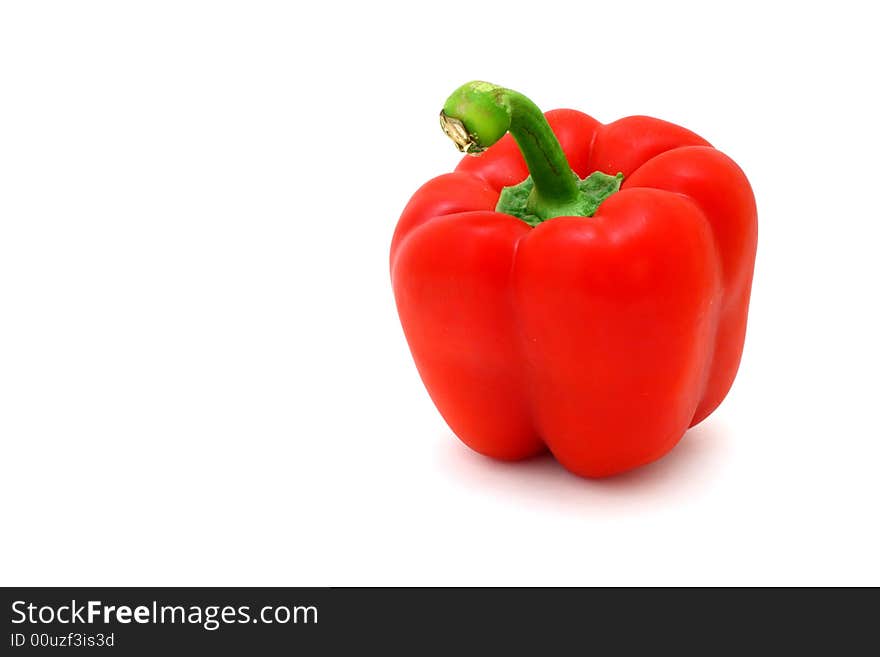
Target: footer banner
x=269, y=621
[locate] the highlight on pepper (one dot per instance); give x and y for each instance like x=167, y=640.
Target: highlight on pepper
x=574, y=286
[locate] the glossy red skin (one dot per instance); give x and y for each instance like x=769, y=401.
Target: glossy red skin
x=601, y=338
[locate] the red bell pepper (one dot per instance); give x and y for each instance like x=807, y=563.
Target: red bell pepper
x=560, y=309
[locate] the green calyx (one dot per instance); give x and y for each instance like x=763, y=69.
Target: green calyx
x=478, y=114
x=593, y=189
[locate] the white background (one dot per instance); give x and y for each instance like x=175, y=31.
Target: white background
x=203, y=380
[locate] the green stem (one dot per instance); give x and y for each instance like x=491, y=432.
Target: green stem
x=478, y=114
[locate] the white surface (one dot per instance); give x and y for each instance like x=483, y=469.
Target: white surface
x=202, y=375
